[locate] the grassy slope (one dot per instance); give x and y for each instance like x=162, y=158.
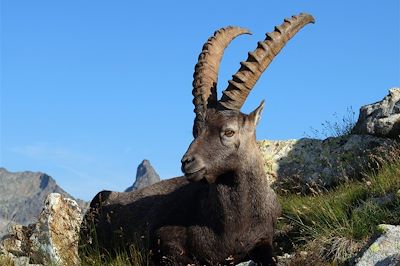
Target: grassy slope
x=334, y=226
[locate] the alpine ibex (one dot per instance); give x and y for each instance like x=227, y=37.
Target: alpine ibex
x=223, y=210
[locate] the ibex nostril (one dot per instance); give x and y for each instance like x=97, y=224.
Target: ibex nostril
x=183, y=160
x=187, y=159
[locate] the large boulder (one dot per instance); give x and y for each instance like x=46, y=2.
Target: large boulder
x=53, y=239
x=385, y=251
x=300, y=165
x=381, y=118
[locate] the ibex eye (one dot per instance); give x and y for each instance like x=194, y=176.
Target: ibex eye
x=229, y=133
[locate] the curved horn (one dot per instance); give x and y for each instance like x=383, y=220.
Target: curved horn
x=250, y=71
x=206, y=72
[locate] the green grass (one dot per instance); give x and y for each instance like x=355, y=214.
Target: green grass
x=133, y=257
x=335, y=225
x=92, y=255
x=94, y=259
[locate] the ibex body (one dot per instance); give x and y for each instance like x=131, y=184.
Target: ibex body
x=223, y=211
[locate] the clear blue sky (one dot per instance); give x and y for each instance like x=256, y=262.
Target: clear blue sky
x=90, y=88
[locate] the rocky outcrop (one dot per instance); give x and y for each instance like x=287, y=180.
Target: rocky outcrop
x=312, y=163
x=307, y=164
x=53, y=240
x=145, y=176
x=385, y=251
x=22, y=195
x=381, y=118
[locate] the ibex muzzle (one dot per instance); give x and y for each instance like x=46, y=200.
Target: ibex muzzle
x=227, y=137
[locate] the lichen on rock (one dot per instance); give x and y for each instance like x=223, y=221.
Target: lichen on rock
x=305, y=163
x=385, y=250
x=53, y=239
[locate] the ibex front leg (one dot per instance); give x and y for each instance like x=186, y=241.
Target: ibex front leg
x=263, y=255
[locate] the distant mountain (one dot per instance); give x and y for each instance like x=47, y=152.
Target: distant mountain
x=145, y=176
x=22, y=195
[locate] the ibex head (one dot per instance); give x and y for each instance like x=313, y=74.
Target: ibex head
x=225, y=137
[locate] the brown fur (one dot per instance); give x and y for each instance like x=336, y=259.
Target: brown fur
x=225, y=214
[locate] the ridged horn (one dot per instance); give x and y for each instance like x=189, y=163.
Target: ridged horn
x=250, y=71
x=206, y=72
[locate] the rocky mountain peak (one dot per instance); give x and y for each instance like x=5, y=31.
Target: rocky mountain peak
x=145, y=176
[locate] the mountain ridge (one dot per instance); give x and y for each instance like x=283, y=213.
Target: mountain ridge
x=22, y=195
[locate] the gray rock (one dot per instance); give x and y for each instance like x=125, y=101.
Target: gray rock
x=385, y=251
x=310, y=163
x=21, y=261
x=22, y=195
x=53, y=240
x=57, y=232
x=145, y=176
x=381, y=118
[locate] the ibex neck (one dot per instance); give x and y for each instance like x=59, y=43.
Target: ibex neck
x=234, y=197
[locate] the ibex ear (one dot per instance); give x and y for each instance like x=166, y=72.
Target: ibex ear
x=255, y=116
